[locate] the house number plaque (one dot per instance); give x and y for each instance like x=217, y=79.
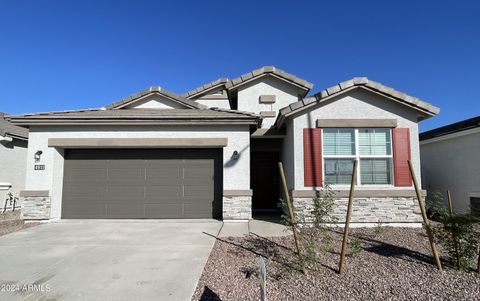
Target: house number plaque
x=39, y=167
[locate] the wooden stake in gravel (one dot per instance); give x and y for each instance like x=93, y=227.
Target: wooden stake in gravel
x=347, y=219
x=425, y=218
x=292, y=215
x=478, y=264
x=450, y=207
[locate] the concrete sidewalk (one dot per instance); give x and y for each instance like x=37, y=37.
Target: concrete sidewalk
x=262, y=228
x=106, y=260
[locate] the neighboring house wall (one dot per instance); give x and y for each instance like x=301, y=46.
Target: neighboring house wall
x=387, y=206
x=249, y=97
x=452, y=163
x=236, y=173
x=13, y=156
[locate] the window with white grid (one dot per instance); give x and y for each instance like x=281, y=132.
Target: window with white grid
x=372, y=147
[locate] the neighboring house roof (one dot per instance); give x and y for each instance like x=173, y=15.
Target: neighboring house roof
x=206, y=87
x=357, y=82
x=11, y=130
x=452, y=128
x=273, y=71
x=155, y=90
x=138, y=116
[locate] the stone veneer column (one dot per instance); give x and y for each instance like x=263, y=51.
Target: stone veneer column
x=237, y=204
x=35, y=204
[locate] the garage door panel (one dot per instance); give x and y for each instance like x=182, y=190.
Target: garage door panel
x=163, y=210
x=197, y=210
x=198, y=172
x=198, y=191
x=142, y=183
x=125, y=192
x=163, y=175
x=164, y=163
x=81, y=210
x=126, y=173
x=163, y=192
x=85, y=191
x=87, y=174
x=116, y=210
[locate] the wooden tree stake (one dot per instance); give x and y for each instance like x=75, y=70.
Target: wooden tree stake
x=292, y=216
x=478, y=264
x=450, y=207
x=347, y=220
x=425, y=218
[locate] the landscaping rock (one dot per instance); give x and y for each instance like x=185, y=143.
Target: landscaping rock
x=393, y=264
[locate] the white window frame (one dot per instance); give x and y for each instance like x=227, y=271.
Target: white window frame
x=357, y=156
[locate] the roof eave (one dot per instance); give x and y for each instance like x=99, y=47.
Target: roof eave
x=205, y=88
x=330, y=93
x=205, y=121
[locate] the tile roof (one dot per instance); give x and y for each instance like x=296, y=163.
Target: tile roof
x=353, y=83
x=213, y=84
x=456, y=127
x=157, y=90
x=305, y=85
x=135, y=115
x=11, y=130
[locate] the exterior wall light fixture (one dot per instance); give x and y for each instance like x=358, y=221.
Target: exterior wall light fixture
x=37, y=156
x=235, y=155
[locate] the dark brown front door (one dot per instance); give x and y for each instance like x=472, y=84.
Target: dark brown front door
x=264, y=177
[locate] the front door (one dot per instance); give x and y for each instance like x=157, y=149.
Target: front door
x=264, y=179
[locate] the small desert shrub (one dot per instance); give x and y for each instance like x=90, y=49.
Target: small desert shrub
x=311, y=226
x=355, y=247
x=457, y=235
x=379, y=229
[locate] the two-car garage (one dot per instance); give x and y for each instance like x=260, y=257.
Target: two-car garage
x=142, y=183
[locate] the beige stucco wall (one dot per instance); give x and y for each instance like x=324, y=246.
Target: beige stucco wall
x=356, y=104
x=13, y=156
x=236, y=173
x=248, y=97
x=453, y=163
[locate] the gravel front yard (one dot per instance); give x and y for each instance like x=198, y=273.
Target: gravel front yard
x=393, y=264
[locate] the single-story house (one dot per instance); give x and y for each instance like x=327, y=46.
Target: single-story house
x=214, y=151
x=13, y=160
x=450, y=161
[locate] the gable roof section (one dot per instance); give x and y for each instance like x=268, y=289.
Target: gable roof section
x=154, y=90
x=357, y=82
x=456, y=127
x=205, y=88
x=8, y=129
x=137, y=116
x=273, y=71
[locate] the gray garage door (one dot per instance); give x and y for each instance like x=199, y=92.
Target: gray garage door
x=146, y=183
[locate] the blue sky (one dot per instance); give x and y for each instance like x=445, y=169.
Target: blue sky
x=59, y=55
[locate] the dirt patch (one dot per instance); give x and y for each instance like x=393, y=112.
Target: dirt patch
x=392, y=264
x=11, y=222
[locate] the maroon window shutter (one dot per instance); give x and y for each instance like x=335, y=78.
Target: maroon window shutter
x=312, y=157
x=401, y=153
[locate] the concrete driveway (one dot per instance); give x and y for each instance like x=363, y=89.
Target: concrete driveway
x=105, y=260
